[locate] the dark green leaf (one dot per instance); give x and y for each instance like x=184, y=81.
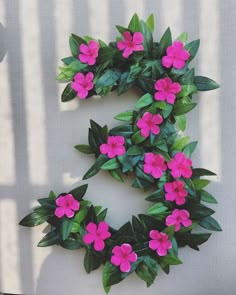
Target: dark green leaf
x=135, y=150
x=166, y=40
x=51, y=238
x=210, y=223
x=150, y=22
x=181, y=122
x=35, y=218
x=147, y=270
x=183, y=37
x=180, y=143
x=66, y=228
x=96, y=167
x=68, y=60
x=171, y=259
x=206, y=197
x=144, y=101
x=156, y=196
x=134, y=25
x=187, y=90
x=109, y=78
x=183, y=106
x=126, y=116
x=197, y=172
x=157, y=209
x=137, y=138
x=188, y=77
x=92, y=261
x=199, y=211
x=68, y=94
x=112, y=164
x=116, y=175
x=83, y=148
x=110, y=276
x=148, y=39
x=192, y=48
x=205, y=84
x=200, y=183
x=71, y=244
x=189, y=149
x=79, y=192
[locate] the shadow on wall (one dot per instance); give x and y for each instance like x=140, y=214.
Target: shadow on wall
x=3, y=43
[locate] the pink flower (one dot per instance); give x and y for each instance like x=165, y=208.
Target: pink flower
x=82, y=84
x=122, y=256
x=130, y=43
x=160, y=242
x=67, y=205
x=175, y=192
x=154, y=164
x=89, y=53
x=176, y=56
x=166, y=90
x=97, y=234
x=180, y=165
x=177, y=218
x=149, y=123
x=113, y=147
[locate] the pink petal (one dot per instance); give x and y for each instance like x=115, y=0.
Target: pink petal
x=147, y=116
x=126, y=248
x=145, y=132
x=111, y=140
x=178, y=45
x=157, y=173
x=91, y=228
x=69, y=213
x=184, y=214
x=186, y=223
x=184, y=54
x=167, y=61
x=170, y=220
x=188, y=162
x=103, y=226
x=167, y=82
x=160, y=96
x=111, y=154
x=141, y=123
x=125, y=267
x=175, y=88
x=69, y=199
x=119, y=140
x=167, y=244
x=89, y=86
x=133, y=257
x=157, y=119
x=99, y=245
x=177, y=226
x=153, y=244
x=115, y=260
x=104, y=148
x=89, y=77
x=170, y=97
x=75, y=86
x=89, y=238
x=91, y=60
x=155, y=130
x=175, y=213
x=61, y=201
x=161, y=251
x=148, y=158
x=180, y=200
x=187, y=172
x=59, y=212
x=170, y=196
x=82, y=93
x=147, y=168
x=121, y=45
x=138, y=37
x=83, y=58
x=178, y=64
x=84, y=49
x=170, y=51
x=154, y=234
x=160, y=84
x=93, y=45
x=117, y=251
x=180, y=157
x=105, y=235
x=127, y=52
x=120, y=150
x=138, y=48
x=127, y=36
x=79, y=77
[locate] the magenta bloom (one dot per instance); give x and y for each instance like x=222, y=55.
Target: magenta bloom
x=159, y=242
x=154, y=164
x=175, y=192
x=114, y=146
x=166, y=90
x=89, y=53
x=177, y=218
x=149, y=123
x=180, y=165
x=82, y=84
x=176, y=56
x=67, y=205
x=130, y=43
x=123, y=256
x=97, y=235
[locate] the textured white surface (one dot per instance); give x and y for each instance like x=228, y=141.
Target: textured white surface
x=37, y=134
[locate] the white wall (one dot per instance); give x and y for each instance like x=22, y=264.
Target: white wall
x=37, y=134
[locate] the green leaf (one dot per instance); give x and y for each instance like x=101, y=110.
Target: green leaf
x=206, y=197
x=144, y=101
x=96, y=167
x=183, y=106
x=134, y=25
x=79, y=192
x=205, y=84
x=66, y=228
x=197, y=172
x=35, y=218
x=51, y=238
x=198, y=211
x=150, y=22
x=156, y=196
x=74, y=46
x=109, y=78
x=148, y=39
x=137, y=138
x=193, y=240
x=157, y=209
x=52, y=195
x=68, y=60
x=111, y=164
x=187, y=90
x=210, y=223
x=200, y=183
x=71, y=244
x=192, y=48
x=125, y=130
x=181, y=122
x=135, y=150
x=83, y=148
x=180, y=143
x=116, y=175
x=183, y=37
x=110, y=276
x=171, y=259
x=190, y=148
x=121, y=29
x=92, y=261
x=68, y=94
x=166, y=40
x=126, y=116
x=188, y=77
x=147, y=270
x=79, y=217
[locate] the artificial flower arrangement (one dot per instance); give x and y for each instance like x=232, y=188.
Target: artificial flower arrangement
x=149, y=145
